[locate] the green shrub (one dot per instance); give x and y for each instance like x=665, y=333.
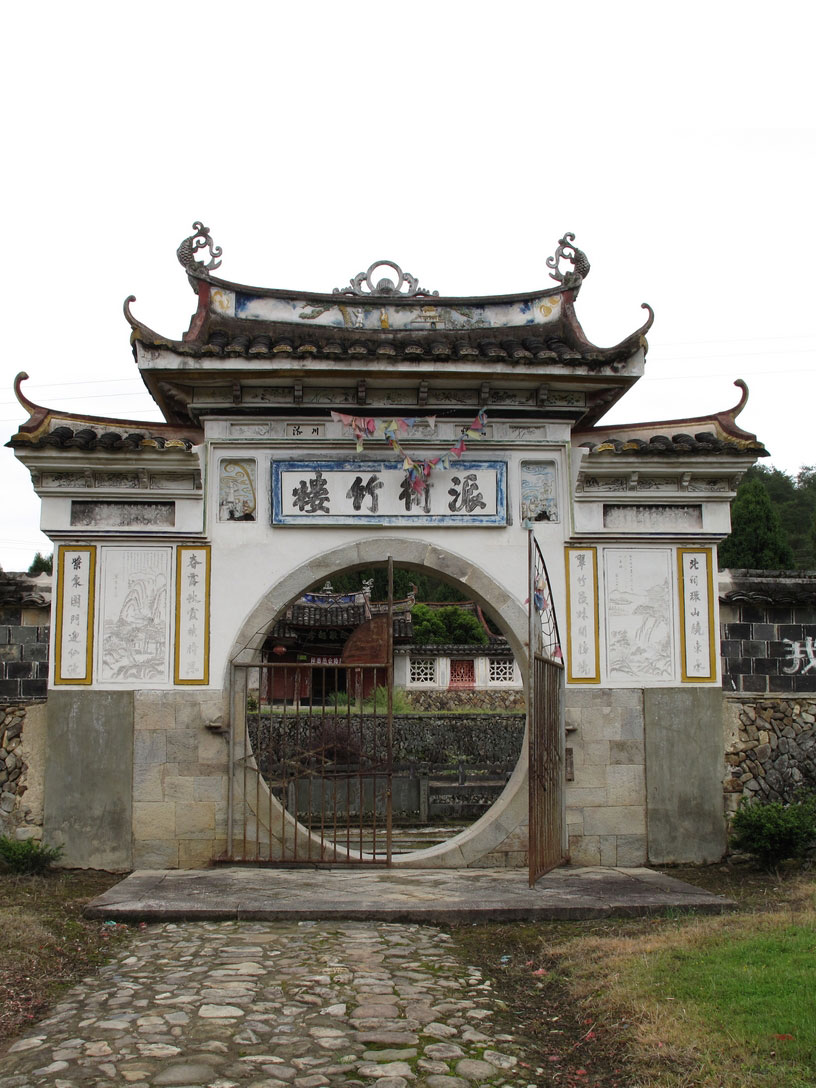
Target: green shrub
x=773, y=832
x=28, y=856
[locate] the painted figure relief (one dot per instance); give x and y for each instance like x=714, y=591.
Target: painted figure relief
x=539, y=498
x=134, y=643
x=639, y=623
x=237, y=491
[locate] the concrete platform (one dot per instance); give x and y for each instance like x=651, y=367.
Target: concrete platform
x=415, y=895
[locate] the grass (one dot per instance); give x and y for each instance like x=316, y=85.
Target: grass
x=45, y=943
x=668, y=1002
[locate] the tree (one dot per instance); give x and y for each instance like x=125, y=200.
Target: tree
x=433, y=626
x=41, y=564
x=757, y=538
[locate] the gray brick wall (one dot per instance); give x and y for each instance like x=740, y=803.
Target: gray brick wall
x=23, y=663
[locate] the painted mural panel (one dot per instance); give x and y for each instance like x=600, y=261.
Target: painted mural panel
x=192, y=660
x=377, y=492
x=583, y=663
x=357, y=312
x=134, y=637
x=639, y=617
x=117, y=515
x=695, y=571
x=73, y=645
x=539, y=494
x=653, y=518
x=237, y=490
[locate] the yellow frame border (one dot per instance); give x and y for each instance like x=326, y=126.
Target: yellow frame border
x=712, y=661
x=89, y=638
x=596, y=679
x=180, y=550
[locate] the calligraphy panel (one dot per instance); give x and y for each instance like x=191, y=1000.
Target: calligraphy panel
x=583, y=662
x=73, y=645
x=192, y=660
x=380, y=493
x=134, y=639
x=698, y=652
x=639, y=615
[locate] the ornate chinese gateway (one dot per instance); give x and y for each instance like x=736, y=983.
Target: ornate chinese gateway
x=308, y=434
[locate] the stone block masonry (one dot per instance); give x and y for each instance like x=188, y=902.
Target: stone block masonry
x=180, y=779
x=606, y=809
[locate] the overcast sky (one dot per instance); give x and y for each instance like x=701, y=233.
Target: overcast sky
x=459, y=139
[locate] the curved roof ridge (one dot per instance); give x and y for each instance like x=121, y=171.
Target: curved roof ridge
x=40, y=417
x=726, y=420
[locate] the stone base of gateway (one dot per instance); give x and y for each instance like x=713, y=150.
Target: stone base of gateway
x=140, y=780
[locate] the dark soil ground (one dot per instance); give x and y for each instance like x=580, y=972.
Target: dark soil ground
x=45, y=943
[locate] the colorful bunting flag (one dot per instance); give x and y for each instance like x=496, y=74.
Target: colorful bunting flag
x=418, y=471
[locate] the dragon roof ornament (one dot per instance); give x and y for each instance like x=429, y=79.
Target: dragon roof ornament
x=385, y=286
x=569, y=252
x=199, y=239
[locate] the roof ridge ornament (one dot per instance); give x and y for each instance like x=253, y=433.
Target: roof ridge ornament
x=385, y=286
x=200, y=239
x=576, y=256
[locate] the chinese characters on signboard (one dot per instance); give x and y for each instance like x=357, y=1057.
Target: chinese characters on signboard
x=192, y=615
x=696, y=628
x=328, y=493
x=582, y=615
x=74, y=636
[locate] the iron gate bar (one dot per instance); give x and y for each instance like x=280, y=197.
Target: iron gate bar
x=310, y=759
x=546, y=820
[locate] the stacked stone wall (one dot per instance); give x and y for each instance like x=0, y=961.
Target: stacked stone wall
x=478, y=699
x=21, y=813
x=770, y=749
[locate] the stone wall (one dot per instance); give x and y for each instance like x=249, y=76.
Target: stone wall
x=770, y=749
x=478, y=699
x=180, y=778
x=439, y=740
x=22, y=742
x=606, y=798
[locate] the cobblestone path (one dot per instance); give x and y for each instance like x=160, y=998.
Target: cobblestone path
x=274, y=1005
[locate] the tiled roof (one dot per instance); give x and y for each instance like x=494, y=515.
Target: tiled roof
x=47, y=428
x=513, y=345
x=705, y=442
x=305, y=619
x=92, y=438
x=718, y=433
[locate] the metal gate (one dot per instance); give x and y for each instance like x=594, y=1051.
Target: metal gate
x=546, y=847
x=311, y=755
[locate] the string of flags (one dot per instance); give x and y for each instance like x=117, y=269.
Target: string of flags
x=390, y=430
